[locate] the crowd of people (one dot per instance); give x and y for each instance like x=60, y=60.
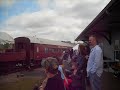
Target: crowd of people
x=74, y=69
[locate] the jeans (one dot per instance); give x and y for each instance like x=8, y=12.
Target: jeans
x=95, y=81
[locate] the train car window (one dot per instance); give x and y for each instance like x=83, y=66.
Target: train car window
x=53, y=50
x=56, y=50
x=46, y=50
x=60, y=50
x=37, y=49
x=50, y=50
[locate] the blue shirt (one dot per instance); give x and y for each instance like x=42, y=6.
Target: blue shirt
x=95, y=61
x=61, y=71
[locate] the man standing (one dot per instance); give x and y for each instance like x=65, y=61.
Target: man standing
x=95, y=64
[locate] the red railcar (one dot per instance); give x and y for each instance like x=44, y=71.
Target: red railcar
x=29, y=51
x=12, y=56
x=37, y=49
x=10, y=60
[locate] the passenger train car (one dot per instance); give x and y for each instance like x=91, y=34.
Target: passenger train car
x=29, y=51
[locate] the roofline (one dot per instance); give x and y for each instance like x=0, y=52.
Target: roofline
x=96, y=19
x=42, y=41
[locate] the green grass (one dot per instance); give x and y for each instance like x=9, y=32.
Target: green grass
x=21, y=84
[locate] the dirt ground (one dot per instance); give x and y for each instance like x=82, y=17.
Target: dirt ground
x=37, y=73
x=25, y=80
x=28, y=79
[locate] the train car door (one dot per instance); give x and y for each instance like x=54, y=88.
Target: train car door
x=23, y=43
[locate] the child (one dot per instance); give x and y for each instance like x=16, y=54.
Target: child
x=68, y=80
x=76, y=77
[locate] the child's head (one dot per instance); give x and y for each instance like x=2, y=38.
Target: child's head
x=67, y=73
x=50, y=64
x=75, y=65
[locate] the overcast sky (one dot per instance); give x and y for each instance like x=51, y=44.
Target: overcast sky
x=50, y=19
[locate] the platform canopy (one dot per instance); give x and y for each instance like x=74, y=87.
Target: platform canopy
x=105, y=22
x=5, y=38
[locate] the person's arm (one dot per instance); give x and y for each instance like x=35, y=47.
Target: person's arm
x=61, y=71
x=81, y=62
x=97, y=61
x=43, y=84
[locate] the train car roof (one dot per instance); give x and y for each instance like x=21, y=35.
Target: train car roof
x=50, y=42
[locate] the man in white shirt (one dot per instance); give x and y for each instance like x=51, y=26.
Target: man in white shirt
x=95, y=64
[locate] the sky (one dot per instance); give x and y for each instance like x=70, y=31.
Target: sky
x=61, y=20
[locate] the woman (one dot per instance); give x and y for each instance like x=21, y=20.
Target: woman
x=53, y=80
x=83, y=51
